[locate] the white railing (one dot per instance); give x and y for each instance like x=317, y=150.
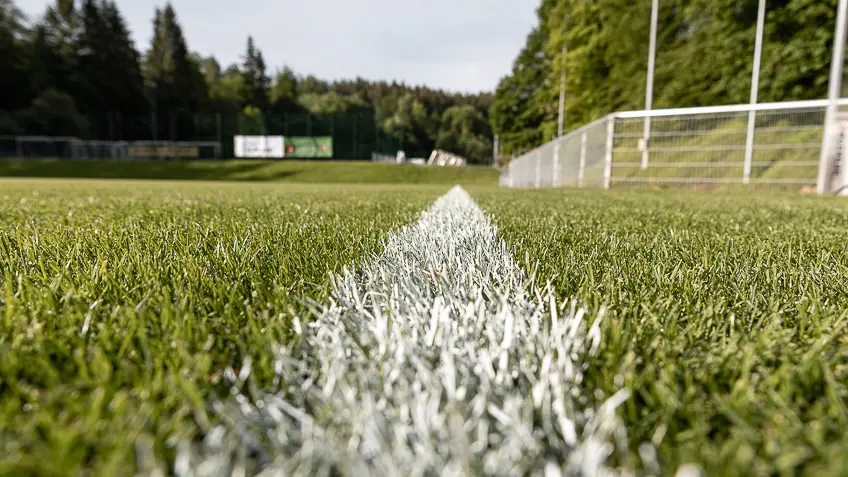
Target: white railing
x=703, y=147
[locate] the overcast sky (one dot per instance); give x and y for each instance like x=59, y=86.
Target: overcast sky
x=459, y=45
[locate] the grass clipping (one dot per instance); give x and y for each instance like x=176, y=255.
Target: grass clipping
x=438, y=357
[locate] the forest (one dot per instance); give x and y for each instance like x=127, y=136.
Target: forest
x=75, y=72
x=704, y=57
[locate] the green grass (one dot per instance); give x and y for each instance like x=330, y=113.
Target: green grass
x=726, y=317
x=121, y=303
x=251, y=170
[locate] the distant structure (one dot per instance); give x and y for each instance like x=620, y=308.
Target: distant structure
x=377, y=157
x=437, y=158
x=444, y=158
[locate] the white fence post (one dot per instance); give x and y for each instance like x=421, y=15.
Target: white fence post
x=555, y=180
x=649, y=87
x=834, y=89
x=755, y=83
x=582, y=170
x=608, y=152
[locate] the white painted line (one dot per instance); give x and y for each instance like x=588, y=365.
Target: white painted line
x=438, y=357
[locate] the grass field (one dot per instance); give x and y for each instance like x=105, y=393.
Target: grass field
x=727, y=317
x=251, y=170
x=122, y=302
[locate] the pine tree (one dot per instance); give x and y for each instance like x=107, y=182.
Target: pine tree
x=255, y=79
x=15, y=92
x=58, y=36
x=91, y=59
x=126, y=85
x=176, y=86
x=168, y=68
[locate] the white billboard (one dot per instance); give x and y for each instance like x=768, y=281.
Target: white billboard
x=259, y=146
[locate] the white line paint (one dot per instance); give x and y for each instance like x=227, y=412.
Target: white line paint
x=438, y=357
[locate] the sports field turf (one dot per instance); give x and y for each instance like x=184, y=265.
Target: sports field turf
x=122, y=302
x=726, y=317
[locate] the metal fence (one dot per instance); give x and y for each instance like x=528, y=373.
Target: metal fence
x=355, y=134
x=772, y=145
x=26, y=147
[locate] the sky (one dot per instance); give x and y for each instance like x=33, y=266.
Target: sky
x=457, y=45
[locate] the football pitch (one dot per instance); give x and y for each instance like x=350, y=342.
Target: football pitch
x=213, y=328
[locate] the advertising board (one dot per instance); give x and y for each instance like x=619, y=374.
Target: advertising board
x=259, y=146
x=309, y=147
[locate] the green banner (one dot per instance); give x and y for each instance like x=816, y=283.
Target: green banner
x=310, y=147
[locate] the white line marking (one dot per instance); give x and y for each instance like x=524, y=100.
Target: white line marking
x=438, y=357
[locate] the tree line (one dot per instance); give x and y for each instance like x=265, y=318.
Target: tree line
x=75, y=71
x=704, y=57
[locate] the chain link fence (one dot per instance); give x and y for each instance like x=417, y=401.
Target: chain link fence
x=355, y=135
x=771, y=146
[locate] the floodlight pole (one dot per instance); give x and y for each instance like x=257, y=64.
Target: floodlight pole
x=561, y=118
x=833, y=92
x=755, y=84
x=649, y=89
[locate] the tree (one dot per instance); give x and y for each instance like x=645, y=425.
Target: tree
x=255, y=81
x=411, y=123
x=91, y=56
x=126, y=88
x=211, y=70
x=168, y=68
x=224, y=86
x=463, y=130
x=332, y=103
x=517, y=111
x=15, y=91
x=108, y=64
x=53, y=113
x=57, y=36
x=284, y=93
x=79, y=59
x=252, y=121
x=704, y=57
x=312, y=85
x=43, y=60
x=175, y=83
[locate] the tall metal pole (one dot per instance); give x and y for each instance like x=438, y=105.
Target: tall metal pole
x=649, y=90
x=833, y=92
x=755, y=87
x=561, y=119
